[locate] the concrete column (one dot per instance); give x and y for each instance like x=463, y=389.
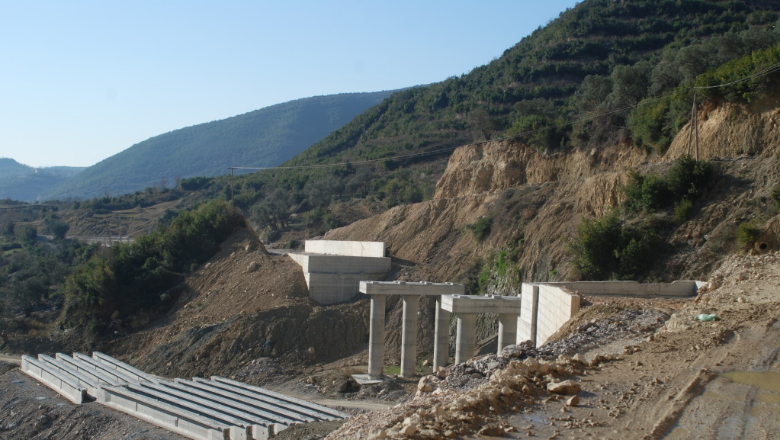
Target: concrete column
x=409, y=335
x=507, y=330
x=466, y=338
x=441, y=341
x=376, y=337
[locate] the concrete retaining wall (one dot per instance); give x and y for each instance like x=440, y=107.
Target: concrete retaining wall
x=631, y=288
x=526, y=322
x=555, y=307
x=347, y=248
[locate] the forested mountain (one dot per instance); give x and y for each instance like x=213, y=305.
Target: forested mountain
x=603, y=72
x=22, y=182
x=265, y=137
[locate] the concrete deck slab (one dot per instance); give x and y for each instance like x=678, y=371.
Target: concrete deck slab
x=410, y=288
x=347, y=248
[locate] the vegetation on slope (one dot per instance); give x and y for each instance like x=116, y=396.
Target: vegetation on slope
x=22, y=182
x=262, y=138
x=133, y=280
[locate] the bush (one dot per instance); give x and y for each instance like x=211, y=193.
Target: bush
x=689, y=177
x=776, y=195
x=481, y=229
x=747, y=234
x=605, y=249
x=682, y=210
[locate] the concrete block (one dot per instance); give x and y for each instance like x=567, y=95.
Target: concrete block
x=61, y=382
x=347, y=248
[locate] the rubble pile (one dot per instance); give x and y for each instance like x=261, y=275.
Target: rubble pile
x=629, y=324
x=467, y=398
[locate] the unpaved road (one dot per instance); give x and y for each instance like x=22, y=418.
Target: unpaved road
x=11, y=359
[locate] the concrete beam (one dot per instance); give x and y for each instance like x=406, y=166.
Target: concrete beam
x=162, y=414
x=239, y=426
x=126, y=369
x=411, y=305
x=376, y=337
x=98, y=376
x=270, y=412
x=60, y=381
x=321, y=409
x=103, y=368
x=83, y=379
x=482, y=304
x=347, y=248
x=441, y=341
x=410, y=288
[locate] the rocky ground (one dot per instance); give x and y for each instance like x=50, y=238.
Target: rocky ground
x=622, y=368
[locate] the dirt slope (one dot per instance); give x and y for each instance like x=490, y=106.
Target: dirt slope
x=235, y=304
x=686, y=379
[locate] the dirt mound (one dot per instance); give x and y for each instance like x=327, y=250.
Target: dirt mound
x=241, y=306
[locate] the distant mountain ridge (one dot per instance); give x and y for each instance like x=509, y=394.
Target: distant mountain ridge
x=261, y=138
x=23, y=182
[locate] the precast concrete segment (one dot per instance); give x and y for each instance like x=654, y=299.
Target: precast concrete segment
x=118, y=365
x=410, y=288
x=466, y=337
x=272, y=414
x=249, y=418
x=213, y=412
x=82, y=379
x=327, y=412
x=526, y=322
x=507, y=330
x=162, y=414
x=98, y=376
x=347, y=248
x=482, y=304
x=441, y=341
x=411, y=305
x=376, y=337
x=59, y=381
x=103, y=368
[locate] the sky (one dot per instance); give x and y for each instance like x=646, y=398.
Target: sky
x=83, y=80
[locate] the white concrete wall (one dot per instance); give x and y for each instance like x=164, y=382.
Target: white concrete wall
x=346, y=248
x=333, y=288
x=556, y=306
x=526, y=322
x=630, y=288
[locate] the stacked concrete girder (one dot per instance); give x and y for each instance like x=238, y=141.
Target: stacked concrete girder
x=200, y=409
x=410, y=292
x=466, y=307
x=334, y=269
x=55, y=378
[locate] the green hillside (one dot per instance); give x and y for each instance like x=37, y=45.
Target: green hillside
x=25, y=183
x=265, y=137
x=602, y=72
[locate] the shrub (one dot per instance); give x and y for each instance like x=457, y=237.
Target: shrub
x=481, y=229
x=776, y=195
x=747, y=234
x=605, y=249
x=689, y=177
x=682, y=210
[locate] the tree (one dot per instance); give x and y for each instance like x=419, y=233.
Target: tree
x=59, y=229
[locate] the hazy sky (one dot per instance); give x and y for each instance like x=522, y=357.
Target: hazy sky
x=83, y=80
